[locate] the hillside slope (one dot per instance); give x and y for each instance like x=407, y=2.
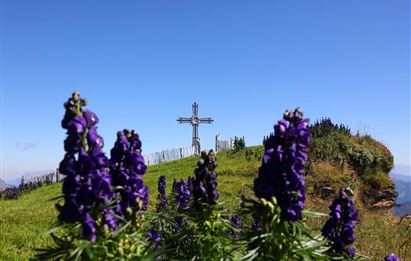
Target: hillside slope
x=23, y=222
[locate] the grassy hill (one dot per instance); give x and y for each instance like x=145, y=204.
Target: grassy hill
x=24, y=222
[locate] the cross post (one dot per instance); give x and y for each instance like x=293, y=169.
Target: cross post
x=194, y=120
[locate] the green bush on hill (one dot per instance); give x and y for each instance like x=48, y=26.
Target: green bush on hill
x=370, y=159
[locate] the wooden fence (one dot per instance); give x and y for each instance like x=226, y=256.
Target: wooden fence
x=168, y=155
x=150, y=159
x=48, y=177
x=221, y=145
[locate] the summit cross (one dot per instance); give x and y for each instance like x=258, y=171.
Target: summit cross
x=195, y=121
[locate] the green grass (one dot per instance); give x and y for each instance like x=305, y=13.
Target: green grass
x=24, y=222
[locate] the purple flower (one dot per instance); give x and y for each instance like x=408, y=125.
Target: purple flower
x=88, y=229
x=153, y=236
x=162, y=197
x=180, y=222
x=109, y=219
x=91, y=118
x=205, y=180
x=87, y=185
x=127, y=168
x=235, y=223
x=190, y=181
x=183, y=194
x=391, y=257
x=281, y=174
x=339, y=228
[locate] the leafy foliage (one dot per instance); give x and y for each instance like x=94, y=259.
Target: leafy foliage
x=370, y=159
x=190, y=224
x=276, y=239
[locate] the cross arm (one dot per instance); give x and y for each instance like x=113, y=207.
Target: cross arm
x=206, y=120
x=184, y=120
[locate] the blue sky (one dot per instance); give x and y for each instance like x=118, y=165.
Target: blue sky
x=141, y=64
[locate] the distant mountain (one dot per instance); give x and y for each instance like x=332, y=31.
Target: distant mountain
x=401, y=175
x=401, y=172
x=403, y=209
x=404, y=190
x=3, y=185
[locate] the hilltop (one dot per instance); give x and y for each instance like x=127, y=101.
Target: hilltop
x=337, y=159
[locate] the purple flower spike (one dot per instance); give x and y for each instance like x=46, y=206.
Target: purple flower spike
x=205, y=180
x=339, y=228
x=90, y=118
x=88, y=229
x=109, y=219
x=155, y=238
x=281, y=174
x=183, y=194
x=162, y=197
x=391, y=257
x=87, y=183
x=127, y=169
x=235, y=221
x=153, y=235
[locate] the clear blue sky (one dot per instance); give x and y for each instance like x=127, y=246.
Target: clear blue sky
x=141, y=64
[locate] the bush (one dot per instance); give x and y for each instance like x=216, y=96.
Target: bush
x=378, y=180
x=239, y=143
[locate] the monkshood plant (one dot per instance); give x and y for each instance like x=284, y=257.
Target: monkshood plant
x=91, y=218
x=200, y=230
x=279, y=232
x=170, y=218
x=127, y=168
x=339, y=228
x=392, y=257
x=104, y=213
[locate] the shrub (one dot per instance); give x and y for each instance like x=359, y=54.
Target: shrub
x=239, y=143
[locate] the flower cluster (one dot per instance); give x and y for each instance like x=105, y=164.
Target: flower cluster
x=127, y=168
x=205, y=181
x=162, y=197
x=154, y=237
x=86, y=187
x=235, y=223
x=282, y=172
x=183, y=194
x=339, y=228
x=391, y=257
x=190, y=183
x=99, y=193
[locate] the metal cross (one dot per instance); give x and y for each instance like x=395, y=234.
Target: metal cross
x=195, y=121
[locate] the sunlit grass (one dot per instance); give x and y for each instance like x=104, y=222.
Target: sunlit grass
x=24, y=222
